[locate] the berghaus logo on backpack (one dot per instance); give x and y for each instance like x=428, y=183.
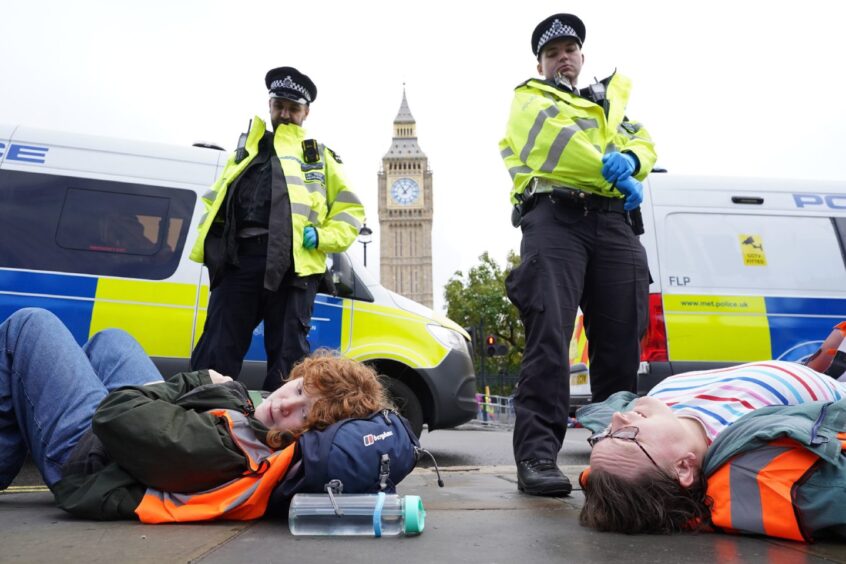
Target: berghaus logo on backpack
x=370, y=438
x=367, y=455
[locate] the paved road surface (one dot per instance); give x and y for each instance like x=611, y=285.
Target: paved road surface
x=478, y=517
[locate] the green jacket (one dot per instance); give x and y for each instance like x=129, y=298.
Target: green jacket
x=557, y=136
x=319, y=196
x=157, y=436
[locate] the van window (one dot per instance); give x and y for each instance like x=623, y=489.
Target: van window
x=109, y=222
x=752, y=252
x=86, y=226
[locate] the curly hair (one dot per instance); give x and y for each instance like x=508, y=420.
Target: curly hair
x=342, y=388
x=654, y=503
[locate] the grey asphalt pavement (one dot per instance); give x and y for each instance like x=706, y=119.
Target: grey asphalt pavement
x=478, y=517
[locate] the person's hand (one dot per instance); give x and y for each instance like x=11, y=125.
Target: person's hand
x=616, y=167
x=218, y=378
x=633, y=191
x=310, y=237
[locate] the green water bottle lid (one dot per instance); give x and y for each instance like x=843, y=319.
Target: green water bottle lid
x=414, y=516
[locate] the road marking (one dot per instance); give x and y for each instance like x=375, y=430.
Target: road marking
x=25, y=489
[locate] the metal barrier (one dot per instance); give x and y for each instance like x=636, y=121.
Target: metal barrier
x=495, y=411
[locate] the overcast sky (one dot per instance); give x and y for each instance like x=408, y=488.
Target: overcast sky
x=748, y=88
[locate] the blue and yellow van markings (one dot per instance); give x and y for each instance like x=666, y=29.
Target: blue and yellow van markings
x=747, y=328
x=47, y=284
x=326, y=322
x=160, y=315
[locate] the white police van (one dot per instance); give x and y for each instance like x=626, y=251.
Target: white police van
x=744, y=269
x=99, y=230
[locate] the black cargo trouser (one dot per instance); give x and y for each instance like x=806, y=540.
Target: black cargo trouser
x=572, y=258
x=237, y=305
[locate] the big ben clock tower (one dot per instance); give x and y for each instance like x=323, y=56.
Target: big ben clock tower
x=405, y=213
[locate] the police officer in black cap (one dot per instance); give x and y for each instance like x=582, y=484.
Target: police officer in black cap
x=281, y=204
x=576, y=162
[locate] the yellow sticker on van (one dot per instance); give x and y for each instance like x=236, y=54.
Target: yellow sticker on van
x=752, y=249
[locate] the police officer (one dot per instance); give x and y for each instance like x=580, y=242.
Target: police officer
x=575, y=161
x=279, y=206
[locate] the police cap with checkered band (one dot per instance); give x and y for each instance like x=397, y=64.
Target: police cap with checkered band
x=557, y=26
x=291, y=84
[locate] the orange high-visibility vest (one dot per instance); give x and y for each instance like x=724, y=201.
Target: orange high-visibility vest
x=754, y=491
x=241, y=499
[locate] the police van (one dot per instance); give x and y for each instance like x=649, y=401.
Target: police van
x=98, y=231
x=744, y=269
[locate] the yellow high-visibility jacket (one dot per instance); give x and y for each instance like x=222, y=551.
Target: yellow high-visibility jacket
x=318, y=191
x=555, y=135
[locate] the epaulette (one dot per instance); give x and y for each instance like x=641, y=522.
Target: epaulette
x=335, y=156
x=630, y=127
x=524, y=83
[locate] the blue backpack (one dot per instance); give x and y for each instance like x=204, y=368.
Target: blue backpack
x=366, y=455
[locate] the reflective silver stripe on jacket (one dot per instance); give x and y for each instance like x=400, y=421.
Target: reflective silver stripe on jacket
x=304, y=166
x=746, y=508
x=294, y=180
x=347, y=218
x=542, y=116
x=301, y=209
x=347, y=197
x=313, y=187
x=246, y=438
x=515, y=170
x=561, y=140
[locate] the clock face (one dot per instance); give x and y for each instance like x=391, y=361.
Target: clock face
x=405, y=191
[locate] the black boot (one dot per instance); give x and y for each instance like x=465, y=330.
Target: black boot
x=542, y=477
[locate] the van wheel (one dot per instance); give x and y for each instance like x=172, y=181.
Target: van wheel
x=407, y=403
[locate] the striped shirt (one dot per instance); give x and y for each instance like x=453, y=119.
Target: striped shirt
x=718, y=398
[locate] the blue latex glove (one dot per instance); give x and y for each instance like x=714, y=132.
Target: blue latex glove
x=310, y=237
x=616, y=167
x=633, y=191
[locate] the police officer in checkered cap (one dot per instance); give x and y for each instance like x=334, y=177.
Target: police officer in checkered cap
x=281, y=204
x=575, y=161
x=290, y=84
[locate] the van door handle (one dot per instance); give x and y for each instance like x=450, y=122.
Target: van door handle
x=747, y=200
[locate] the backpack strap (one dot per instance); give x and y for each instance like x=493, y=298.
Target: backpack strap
x=384, y=471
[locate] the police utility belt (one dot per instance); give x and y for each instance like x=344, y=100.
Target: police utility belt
x=573, y=197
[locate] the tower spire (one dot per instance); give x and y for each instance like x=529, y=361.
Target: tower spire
x=404, y=113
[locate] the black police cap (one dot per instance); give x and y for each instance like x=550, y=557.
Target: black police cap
x=291, y=84
x=555, y=27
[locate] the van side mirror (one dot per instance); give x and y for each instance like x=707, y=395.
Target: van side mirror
x=342, y=274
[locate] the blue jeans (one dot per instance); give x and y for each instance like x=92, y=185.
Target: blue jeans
x=50, y=387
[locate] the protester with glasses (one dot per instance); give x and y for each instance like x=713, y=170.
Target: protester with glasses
x=753, y=448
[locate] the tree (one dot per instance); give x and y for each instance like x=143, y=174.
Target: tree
x=478, y=300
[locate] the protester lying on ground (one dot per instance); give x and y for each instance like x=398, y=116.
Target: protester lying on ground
x=113, y=440
x=754, y=448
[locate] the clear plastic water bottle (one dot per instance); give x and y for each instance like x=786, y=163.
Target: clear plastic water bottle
x=374, y=515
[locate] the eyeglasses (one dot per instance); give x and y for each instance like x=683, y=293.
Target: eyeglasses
x=623, y=434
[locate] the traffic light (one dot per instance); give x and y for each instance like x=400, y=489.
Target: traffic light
x=490, y=345
x=493, y=349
